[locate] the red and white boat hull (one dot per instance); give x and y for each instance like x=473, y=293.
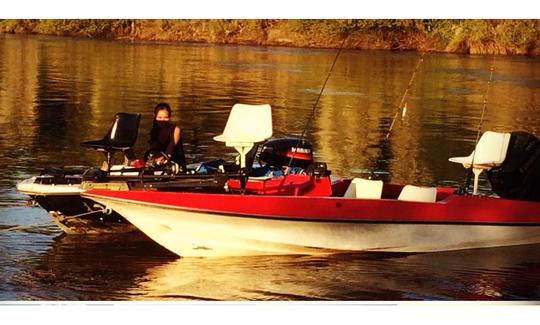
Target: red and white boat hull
x=187, y=228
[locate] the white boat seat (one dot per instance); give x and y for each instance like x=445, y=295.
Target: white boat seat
x=489, y=152
x=364, y=189
x=418, y=194
x=247, y=125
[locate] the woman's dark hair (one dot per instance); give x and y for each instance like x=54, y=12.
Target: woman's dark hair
x=162, y=106
x=154, y=132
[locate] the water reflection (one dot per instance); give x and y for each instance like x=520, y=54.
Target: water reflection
x=483, y=274
x=87, y=268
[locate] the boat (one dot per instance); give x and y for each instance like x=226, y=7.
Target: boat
x=310, y=212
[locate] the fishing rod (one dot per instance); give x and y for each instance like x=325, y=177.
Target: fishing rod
x=308, y=122
x=402, y=105
x=470, y=169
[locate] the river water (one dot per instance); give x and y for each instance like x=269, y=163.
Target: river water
x=56, y=92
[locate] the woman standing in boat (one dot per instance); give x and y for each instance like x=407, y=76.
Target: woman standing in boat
x=165, y=137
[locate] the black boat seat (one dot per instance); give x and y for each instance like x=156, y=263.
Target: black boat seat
x=121, y=136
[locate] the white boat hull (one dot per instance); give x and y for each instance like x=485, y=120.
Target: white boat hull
x=197, y=233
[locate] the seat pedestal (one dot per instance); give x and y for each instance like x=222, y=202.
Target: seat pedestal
x=477, y=171
x=243, y=149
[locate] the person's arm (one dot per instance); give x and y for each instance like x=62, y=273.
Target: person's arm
x=175, y=139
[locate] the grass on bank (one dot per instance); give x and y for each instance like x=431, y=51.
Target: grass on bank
x=477, y=36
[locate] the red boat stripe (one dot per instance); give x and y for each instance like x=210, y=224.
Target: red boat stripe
x=453, y=210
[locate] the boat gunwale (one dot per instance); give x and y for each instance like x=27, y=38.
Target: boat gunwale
x=359, y=220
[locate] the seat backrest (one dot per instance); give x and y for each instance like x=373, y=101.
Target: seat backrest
x=123, y=131
x=418, y=194
x=364, y=189
x=247, y=124
x=491, y=148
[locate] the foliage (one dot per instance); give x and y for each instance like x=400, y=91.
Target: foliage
x=450, y=35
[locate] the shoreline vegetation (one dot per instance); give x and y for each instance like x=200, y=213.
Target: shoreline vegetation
x=472, y=36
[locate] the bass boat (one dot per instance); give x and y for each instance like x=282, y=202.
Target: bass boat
x=308, y=212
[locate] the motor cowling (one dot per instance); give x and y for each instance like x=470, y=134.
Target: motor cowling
x=279, y=152
x=519, y=175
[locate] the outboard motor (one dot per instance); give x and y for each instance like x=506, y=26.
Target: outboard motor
x=519, y=175
x=278, y=152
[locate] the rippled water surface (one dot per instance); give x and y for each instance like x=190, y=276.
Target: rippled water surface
x=56, y=92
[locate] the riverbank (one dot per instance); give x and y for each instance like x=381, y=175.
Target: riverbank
x=493, y=37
